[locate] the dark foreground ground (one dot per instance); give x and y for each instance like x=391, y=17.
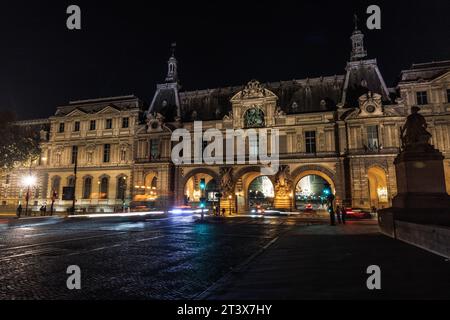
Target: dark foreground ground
x=241, y=258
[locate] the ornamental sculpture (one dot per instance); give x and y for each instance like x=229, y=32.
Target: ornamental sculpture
x=414, y=133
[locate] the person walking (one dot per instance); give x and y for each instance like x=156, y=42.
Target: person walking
x=339, y=214
x=343, y=215
x=19, y=211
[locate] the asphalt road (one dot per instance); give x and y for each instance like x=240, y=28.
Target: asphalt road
x=172, y=257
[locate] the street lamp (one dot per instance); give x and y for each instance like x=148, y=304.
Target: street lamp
x=230, y=197
x=28, y=181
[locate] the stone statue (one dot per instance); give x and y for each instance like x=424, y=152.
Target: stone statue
x=226, y=183
x=283, y=182
x=414, y=133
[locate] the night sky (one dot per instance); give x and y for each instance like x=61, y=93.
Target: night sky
x=123, y=47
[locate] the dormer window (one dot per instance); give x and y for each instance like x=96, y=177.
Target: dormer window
x=93, y=125
x=76, y=127
x=109, y=124
x=422, y=98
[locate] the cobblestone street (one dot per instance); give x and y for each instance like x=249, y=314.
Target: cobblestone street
x=241, y=258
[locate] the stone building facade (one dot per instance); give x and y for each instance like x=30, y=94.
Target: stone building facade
x=343, y=128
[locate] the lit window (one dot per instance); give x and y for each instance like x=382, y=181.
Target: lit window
x=154, y=149
x=372, y=137
x=422, y=98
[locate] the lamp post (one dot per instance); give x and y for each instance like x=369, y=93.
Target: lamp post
x=29, y=181
x=230, y=197
x=124, y=188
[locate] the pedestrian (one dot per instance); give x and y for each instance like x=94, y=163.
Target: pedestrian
x=223, y=212
x=19, y=211
x=343, y=215
x=332, y=216
x=339, y=214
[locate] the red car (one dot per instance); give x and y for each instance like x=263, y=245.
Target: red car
x=357, y=213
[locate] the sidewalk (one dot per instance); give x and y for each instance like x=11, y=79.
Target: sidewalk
x=323, y=262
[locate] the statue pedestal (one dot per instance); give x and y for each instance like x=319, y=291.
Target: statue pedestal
x=284, y=203
x=420, y=179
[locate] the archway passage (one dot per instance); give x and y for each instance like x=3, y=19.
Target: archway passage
x=310, y=193
x=260, y=194
x=378, y=191
x=200, y=186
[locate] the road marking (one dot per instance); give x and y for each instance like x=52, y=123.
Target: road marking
x=35, y=235
x=149, y=239
x=63, y=241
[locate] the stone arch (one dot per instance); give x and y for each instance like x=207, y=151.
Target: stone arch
x=378, y=186
x=185, y=179
x=242, y=179
x=321, y=171
x=317, y=170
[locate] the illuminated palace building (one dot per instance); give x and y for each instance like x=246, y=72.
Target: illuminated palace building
x=342, y=129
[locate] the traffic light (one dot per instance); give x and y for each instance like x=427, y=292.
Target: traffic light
x=202, y=203
x=327, y=190
x=202, y=184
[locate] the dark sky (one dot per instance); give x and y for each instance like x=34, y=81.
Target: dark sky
x=123, y=47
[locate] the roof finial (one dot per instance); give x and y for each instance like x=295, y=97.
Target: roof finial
x=356, y=19
x=174, y=48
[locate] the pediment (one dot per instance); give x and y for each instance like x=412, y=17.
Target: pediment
x=253, y=90
x=76, y=113
x=442, y=78
x=109, y=109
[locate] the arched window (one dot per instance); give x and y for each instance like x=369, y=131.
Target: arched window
x=121, y=188
x=87, y=188
x=56, y=186
x=71, y=181
x=154, y=183
x=104, y=185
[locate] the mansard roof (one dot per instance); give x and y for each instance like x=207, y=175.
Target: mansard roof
x=425, y=71
x=362, y=77
x=93, y=106
x=295, y=96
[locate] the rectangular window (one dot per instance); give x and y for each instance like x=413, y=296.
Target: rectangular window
x=154, y=149
x=107, y=153
x=93, y=125
x=125, y=123
x=62, y=127
x=77, y=126
x=422, y=98
x=372, y=138
x=109, y=124
x=74, y=154
x=310, y=140
x=448, y=95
